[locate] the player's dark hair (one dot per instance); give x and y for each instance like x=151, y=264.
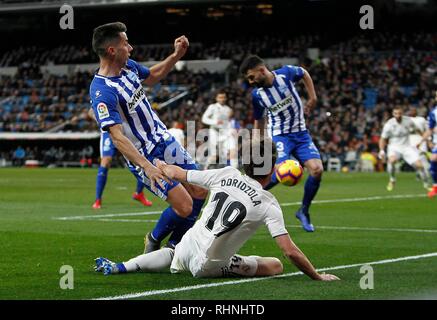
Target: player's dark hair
x=220, y=91
x=250, y=62
x=105, y=34
x=267, y=151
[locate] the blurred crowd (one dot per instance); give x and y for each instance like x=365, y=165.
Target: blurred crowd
x=357, y=81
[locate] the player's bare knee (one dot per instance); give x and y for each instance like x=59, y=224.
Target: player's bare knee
x=184, y=208
x=317, y=172
x=276, y=266
x=105, y=162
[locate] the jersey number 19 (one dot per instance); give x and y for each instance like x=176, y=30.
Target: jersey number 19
x=231, y=216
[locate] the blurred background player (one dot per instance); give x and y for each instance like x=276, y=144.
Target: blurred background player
x=416, y=138
x=432, y=132
x=177, y=132
x=276, y=97
x=107, y=152
x=218, y=117
x=229, y=219
x=122, y=108
x=396, y=132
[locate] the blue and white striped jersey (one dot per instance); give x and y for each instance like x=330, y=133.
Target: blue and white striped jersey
x=122, y=100
x=281, y=102
x=432, y=123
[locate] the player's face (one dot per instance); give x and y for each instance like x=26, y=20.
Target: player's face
x=123, y=49
x=257, y=77
x=221, y=98
x=413, y=112
x=397, y=113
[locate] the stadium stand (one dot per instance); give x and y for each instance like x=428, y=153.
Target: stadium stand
x=358, y=81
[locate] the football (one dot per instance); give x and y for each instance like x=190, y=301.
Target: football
x=289, y=172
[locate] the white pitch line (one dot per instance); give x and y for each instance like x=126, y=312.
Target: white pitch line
x=93, y=216
x=357, y=199
x=371, y=229
x=85, y=217
x=218, y=284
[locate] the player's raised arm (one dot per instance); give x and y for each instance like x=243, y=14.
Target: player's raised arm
x=296, y=256
x=208, y=116
x=309, y=86
x=160, y=70
x=204, y=178
x=126, y=147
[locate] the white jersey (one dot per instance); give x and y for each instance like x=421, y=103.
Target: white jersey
x=422, y=125
x=237, y=206
x=215, y=113
x=398, y=133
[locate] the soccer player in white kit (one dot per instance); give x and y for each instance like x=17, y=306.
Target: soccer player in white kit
x=416, y=138
x=396, y=132
x=237, y=206
x=218, y=117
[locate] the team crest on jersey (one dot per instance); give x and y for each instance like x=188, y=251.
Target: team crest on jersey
x=98, y=93
x=132, y=76
x=102, y=111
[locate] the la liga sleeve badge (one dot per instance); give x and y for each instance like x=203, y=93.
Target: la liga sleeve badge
x=102, y=111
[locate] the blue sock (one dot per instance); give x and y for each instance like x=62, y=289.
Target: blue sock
x=121, y=268
x=102, y=176
x=433, y=171
x=182, y=228
x=310, y=190
x=140, y=187
x=168, y=221
x=272, y=183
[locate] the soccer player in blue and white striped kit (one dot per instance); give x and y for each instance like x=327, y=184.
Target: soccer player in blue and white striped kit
x=276, y=96
x=122, y=108
x=432, y=132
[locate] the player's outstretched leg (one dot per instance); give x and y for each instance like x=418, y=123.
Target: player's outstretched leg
x=311, y=188
x=151, y=262
x=181, y=206
x=139, y=195
x=181, y=229
x=423, y=173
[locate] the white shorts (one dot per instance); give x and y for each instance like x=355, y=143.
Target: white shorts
x=406, y=152
x=189, y=258
x=221, y=142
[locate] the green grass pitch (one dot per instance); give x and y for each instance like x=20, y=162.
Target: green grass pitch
x=46, y=221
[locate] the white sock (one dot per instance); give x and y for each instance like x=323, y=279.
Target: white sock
x=154, y=261
x=391, y=171
x=424, y=175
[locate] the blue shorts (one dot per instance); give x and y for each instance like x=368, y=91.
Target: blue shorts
x=170, y=151
x=107, y=148
x=298, y=145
